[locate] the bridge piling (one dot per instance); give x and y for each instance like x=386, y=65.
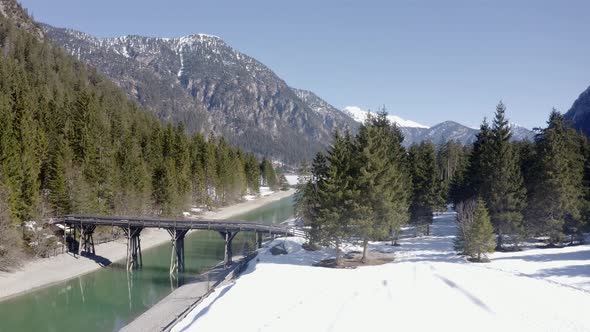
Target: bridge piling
x=86, y=239
x=134, y=257
x=228, y=237
x=177, y=256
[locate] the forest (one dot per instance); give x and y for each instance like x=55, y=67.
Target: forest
x=72, y=142
x=366, y=187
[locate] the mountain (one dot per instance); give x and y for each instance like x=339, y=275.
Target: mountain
x=359, y=115
x=205, y=83
x=20, y=18
x=438, y=134
x=332, y=117
x=579, y=113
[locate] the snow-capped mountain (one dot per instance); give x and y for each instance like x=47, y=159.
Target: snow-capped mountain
x=209, y=86
x=438, y=134
x=360, y=115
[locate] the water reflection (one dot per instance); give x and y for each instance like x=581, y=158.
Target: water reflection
x=108, y=299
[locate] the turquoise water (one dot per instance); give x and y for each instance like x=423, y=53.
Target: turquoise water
x=108, y=299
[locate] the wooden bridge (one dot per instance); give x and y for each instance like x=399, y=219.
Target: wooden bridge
x=177, y=228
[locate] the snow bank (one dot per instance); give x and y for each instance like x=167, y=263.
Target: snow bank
x=429, y=287
x=292, y=179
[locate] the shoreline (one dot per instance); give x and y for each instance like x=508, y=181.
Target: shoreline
x=44, y=272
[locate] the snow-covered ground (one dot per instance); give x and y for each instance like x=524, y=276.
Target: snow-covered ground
x=293, y=179
x=427, y=288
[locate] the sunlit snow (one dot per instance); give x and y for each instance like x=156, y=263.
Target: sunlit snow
x=360, y=115
x=428, y=288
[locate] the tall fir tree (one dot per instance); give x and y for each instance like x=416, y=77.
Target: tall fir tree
x=425, y=183
x=338, y=197
x=505, y=196
x=558, y=194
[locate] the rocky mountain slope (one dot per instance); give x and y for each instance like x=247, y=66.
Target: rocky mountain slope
x=19, y=16
x=211, y=87
x=579, y=113
x=205, y=83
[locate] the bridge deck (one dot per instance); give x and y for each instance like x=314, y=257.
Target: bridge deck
x=148, y=222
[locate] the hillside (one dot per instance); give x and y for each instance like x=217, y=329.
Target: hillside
x=211, y=87
x=579, y=113
x=72, y=142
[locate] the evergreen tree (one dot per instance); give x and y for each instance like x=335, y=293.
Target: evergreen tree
x=338, y=197
x=252, y=174
x=426, y=184
x=505, y=194
x=451, y=164
x=269, y=177
x=480, y=235
x=558, y=194
x=381, y=180
x=310, y=203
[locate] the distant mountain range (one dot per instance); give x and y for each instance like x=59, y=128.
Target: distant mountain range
x=438, y=134
x=211, y=87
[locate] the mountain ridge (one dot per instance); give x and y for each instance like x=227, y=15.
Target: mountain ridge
x=579, y=113
x=203, y=82
x=441, y=132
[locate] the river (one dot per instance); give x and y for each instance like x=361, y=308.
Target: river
x=108, y=299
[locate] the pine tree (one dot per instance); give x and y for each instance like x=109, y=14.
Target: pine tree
x=310, y=201
x=558, y=194
x=56, y=179
x=451, y=163
x=505, y=194
x=197, y=169
x=426, y=184
x=380, y=180
x=478, y=174
x=480, y=235
x=252, y=174
x=338, y=197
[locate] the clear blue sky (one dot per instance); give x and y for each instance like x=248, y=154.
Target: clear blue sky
x=427, y=61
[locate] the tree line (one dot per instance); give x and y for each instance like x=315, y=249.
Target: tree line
x=72, y=142
x=530, y=189
x=365, y=187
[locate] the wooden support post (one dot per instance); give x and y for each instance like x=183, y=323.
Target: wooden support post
x=63, y=244
x=259, y=240
x=177, y=263
x=80, y=241
x=227, y=236
x=134, y=258
x=86, y=239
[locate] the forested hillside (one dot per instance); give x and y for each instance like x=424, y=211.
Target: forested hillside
x=71, y=142
x=201, y=80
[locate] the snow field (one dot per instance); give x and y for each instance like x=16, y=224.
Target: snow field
x=428, y=287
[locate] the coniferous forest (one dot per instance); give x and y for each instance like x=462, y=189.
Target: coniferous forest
x=71, y=142
x=366, y=187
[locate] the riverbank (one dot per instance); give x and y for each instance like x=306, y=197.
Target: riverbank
x=47, y=271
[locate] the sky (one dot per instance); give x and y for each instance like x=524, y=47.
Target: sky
x=426, y=61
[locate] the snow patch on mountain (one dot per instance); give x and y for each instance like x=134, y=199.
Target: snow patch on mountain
x=360, y=115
